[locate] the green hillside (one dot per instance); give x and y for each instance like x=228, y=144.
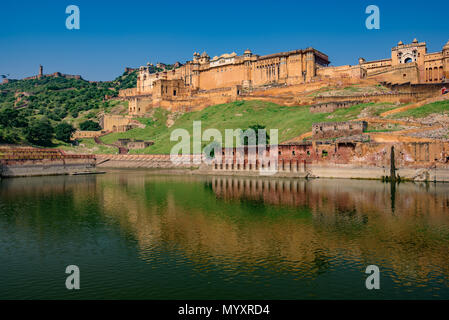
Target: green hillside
x=32, y=113
x=48, y=101
x=438, y=107
x=290, y=121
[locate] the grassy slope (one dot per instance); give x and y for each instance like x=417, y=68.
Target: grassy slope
x=88, y=146
x=348, y=91
x=425, y=110
x=290, y=121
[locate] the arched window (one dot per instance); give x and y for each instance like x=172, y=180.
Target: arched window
x=408, y=60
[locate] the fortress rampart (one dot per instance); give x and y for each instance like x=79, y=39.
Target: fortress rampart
x=329, y=130
x=424, y=161
x=24, y=162
x=204, y=81
x=327, y=107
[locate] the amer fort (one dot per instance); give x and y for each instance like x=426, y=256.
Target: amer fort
x=140, y=167
x=414, y=77
x=205, y=81
x=371, y=147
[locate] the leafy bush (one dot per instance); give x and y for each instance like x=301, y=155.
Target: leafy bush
x=39, y=132
x=253, y=136
x=8, y=135
x=90, y=125
x=10, y=117
x=91, y=115
x=64, y=131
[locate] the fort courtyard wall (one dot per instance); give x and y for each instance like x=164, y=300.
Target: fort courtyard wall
x=327, y=107
x=299, y=157
x=329, y=130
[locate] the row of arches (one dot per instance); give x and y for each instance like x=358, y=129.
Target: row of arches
x=434, y=74
x=269, y=72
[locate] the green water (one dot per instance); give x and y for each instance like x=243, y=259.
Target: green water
x=137, y=235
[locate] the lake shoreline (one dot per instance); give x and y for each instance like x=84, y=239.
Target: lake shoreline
x=311, y=172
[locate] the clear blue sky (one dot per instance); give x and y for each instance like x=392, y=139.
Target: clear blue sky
x=117, y=34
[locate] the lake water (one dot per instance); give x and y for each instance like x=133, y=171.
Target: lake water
x=138, y=235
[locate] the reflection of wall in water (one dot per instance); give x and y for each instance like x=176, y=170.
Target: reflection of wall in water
x=327, y=196
x=349, y=218
x=79, y=186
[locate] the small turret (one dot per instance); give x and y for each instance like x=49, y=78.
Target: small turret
x=196, y=56
x=204, y=57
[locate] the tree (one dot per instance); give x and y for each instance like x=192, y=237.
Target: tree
x=91, y=115
x=9, y=135
x=7, y=115
x=253, y=134
x=10, y=117
x=39, y=132
x=90, y=125
x=64, y=131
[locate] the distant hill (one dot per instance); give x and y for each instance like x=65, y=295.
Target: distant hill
x=53, y=98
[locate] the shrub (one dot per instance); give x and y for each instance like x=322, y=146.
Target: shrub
x=39, y=132
x=64, y=131
x=90, y=125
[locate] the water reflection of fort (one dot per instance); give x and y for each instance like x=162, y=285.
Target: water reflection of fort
x=336, y=196
x=304, y=227
x=47, y=185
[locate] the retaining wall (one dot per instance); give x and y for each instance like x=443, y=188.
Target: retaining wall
x=28, y=168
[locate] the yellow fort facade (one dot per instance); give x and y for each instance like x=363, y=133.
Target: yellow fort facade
x=204, y=81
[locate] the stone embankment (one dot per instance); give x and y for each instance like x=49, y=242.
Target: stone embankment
x=25, y=162
x=319, y=170
x=121, y=150
x=148, y=161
